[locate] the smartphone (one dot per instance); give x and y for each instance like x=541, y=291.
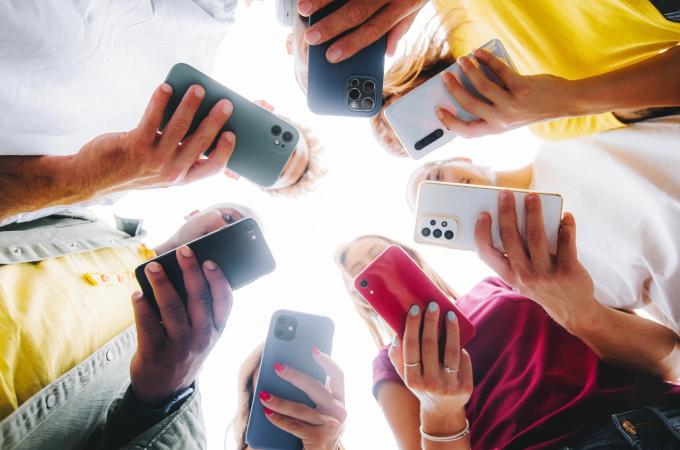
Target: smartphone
x=285, y=11
x=413, y=117
x=352, y=87
x=264, y=141
x=446, y=214
x=239, y=249
x=290, y=340
x=393, y=282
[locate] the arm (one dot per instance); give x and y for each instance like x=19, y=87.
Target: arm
x=116, y=162
x=402, y=411
x=563, y=287
x=523, y=100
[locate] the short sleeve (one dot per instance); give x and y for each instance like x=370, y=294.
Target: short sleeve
x=383, y=370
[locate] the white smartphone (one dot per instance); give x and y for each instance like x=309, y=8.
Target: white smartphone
x=413, y=117
x=285, y=11
x=447, y=212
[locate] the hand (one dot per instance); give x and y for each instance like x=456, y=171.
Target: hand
x=374, y=19
x=521, y=100
x=559, y=283
x=319, y=428
x=145, y=158
x=173, y=344
x=444, y=386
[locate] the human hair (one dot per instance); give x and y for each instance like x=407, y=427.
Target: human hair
x=245, y=395
x=313, y=172
x=381, y=332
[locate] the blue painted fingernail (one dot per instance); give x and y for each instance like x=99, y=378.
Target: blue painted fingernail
x=415, y=310
x=395, y=341
x=432, y=306
x=451, y=316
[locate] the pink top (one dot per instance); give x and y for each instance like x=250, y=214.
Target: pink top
x=536, y=385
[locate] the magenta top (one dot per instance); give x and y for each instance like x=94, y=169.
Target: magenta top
x=536, y=385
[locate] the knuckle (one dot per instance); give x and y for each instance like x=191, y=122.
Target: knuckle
x=428, y=344
x=534, y=235
x=203, y=142
x=356, y=12
x=178, y=129
x=371, y=32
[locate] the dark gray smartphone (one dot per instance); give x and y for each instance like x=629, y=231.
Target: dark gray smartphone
x=290, y=340
x=238, y=249
x=352, y=87
x=264, y=141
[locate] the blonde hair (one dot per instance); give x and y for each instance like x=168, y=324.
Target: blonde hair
x=381, y=332
x=245, y=395
x=314, y=170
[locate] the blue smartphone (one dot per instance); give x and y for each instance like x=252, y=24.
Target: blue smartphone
x=352, y=87
x=290, y=340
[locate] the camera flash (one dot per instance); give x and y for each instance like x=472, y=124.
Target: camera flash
x=290, y=328
x=253, y=237
x=277, y=142
x=371, y=292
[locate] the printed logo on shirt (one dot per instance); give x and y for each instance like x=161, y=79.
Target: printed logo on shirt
x=670, y=9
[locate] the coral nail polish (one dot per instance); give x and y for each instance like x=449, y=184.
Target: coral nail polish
x=268, y=411
x=265, y=396
x=279, y=367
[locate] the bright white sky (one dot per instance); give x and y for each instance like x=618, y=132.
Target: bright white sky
x=363, y=192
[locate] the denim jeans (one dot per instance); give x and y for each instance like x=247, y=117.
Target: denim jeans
x=651, y=428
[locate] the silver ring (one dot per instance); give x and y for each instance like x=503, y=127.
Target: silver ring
x=412, y=365
x=450, y=371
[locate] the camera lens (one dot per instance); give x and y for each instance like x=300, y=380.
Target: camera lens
x=354, y=94
x=448, y=235
x=433, y=222
x=425, y=232
x=363, y=284
x=355, y=82
x=278, y=333
x=276, y=130
x=437, y=233
x=368, y=104
x=287, y=136
x=369, y=87
x=445, y=224
x=281, y=320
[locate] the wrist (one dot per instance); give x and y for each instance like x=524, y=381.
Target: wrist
x=575, y=95
x=584, y=321
x=444, y=422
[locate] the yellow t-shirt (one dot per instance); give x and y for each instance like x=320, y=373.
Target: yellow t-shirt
x=57, y=312
x=573, y=39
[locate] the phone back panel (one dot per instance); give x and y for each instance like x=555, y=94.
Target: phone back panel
x=328, y=84
x=394, y=282
x=413, y=117
x=311, y=331
x=256, y=156
x=455, y=209
x=239, y=249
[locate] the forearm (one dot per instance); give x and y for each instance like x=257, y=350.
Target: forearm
x=651, y=83
x=446, y=423
x=402, y=411
x=631, y=341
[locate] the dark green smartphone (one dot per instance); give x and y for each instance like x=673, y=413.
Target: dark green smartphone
x=264, y=141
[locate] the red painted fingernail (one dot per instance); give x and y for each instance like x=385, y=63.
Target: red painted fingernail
x=265, y=396
x=279, y=367
x=268, y=411
x=316, y=351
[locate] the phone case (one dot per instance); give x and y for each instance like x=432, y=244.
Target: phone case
x=239, y=249
x=447, y=212
x=393, y=282
x=413, y=117
x=264, y=141
x=352, y=87
x=294, y=350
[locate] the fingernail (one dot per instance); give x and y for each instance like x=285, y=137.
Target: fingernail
x=395, y=341
x=199, y=91
x=505, y=196
x=432, y=307
x=451, y=316
x=483, y=217
x=415, y=310
x=440, y=113
x=313, y=36
x=268, y=411
x=278, y=367
x=137, y=296
x=210, y=265
x=154, y=267
x=227, y=107
x=229, y=136
x=316, y=351
x=304, y=8
x=165, y=87
x=186, y=251
x=265, y=396
x=334, y=55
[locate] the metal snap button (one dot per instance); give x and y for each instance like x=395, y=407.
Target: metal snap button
x=109, y=355
x=51, y=400
x=16, y=250
x=629, y=427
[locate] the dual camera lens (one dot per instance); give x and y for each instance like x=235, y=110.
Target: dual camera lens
x=276, y=131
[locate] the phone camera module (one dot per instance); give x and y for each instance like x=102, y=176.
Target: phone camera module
x=369, y=87
x=363, y=284
x=281, y=320
x=285, y=328
x=287, y=136
x=276, y=130
x=448, y=235
x=445, y=224
x=437, y=233
x=433, y=222
x=368, y=104
x=425, y=232
x=354, y=94
x=354, y=82
x=278, y=333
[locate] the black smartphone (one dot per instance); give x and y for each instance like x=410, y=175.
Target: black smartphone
x=290, y=340
x=239, y=249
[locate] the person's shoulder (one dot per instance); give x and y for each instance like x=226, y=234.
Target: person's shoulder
x=493, y=297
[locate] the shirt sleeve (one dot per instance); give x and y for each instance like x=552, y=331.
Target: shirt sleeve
x=383, y=370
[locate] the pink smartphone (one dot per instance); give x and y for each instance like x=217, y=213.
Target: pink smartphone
x=393, y=282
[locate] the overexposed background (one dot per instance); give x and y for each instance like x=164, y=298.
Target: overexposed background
x=363, y=192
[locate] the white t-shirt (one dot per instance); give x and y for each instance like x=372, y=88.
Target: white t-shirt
x=623, y=187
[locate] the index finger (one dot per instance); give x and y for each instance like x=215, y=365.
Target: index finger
x=509, y=231
x=199, y=301
x=150, y=122
x=173, y=311
x=333, y=371
x=316, y=391
x=350, y=15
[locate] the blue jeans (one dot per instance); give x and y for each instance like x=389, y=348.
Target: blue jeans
x=651, y=428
